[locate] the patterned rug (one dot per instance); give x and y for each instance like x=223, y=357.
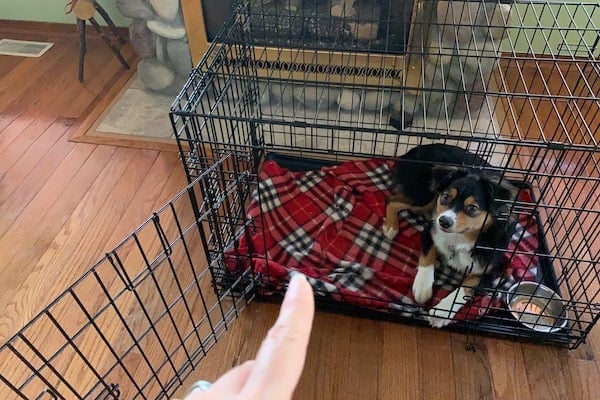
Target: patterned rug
x=136, y=117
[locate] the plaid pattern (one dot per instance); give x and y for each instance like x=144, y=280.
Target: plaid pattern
x=327, y=225
x=352, y=276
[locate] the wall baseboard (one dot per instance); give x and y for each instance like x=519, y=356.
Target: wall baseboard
x=17, y=27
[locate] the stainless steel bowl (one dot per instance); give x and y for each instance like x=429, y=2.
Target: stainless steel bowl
x=537, y=307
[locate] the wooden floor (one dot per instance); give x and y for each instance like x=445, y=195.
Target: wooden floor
x=63, y=204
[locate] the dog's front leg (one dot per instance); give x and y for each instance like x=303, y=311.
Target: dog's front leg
x=394, y=205
x=423, y=285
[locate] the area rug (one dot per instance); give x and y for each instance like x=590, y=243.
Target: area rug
x=132, y=117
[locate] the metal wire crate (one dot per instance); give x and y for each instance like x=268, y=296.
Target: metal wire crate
x=516, y=83
x=139, y=321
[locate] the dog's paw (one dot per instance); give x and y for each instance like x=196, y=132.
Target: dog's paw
x=443, y=313
x=423, y=285
x=439, y=318
x=389, y=231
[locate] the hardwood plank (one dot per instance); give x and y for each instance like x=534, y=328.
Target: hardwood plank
x=69, y=183
x=436, y=372
x=95, y=218
x=58, y=259
x=239, y=344
x=38, y=104
x=56, y=200
x=152, y=193
x=328, y=359
x=335, y=363
x=148, y=197
x=61, y=73
x=28, y=132
x=399, y=378
x=8, y=64
x=545, y=372
x=583, y=379
x=33, y=166
x=64, y=203
x=17, y=128
x=474, y=381
x=363, y=360
x=18, y=84
x=6, y=119
x=109, y=139
x=507, y=369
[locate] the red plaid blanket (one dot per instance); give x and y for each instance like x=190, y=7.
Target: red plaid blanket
x=327, y=224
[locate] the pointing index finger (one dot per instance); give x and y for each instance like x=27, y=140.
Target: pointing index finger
x=280, y=359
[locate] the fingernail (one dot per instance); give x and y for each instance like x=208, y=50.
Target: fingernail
x=297, y=277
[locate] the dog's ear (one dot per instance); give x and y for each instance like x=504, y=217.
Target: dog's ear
x=502, y=193
x=443, y=175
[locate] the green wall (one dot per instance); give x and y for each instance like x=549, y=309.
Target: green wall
x=552, y=28
x=566, y=29
x=52, y=11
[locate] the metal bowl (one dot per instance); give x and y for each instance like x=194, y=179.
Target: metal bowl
x=537, y=307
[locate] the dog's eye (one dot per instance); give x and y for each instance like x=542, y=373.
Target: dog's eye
x=445, y=199
x=472, y=209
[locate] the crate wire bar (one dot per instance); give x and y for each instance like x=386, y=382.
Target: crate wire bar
x=138, y=322
x=514, y=82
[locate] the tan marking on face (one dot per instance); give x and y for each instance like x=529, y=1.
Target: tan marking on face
x=452, y=192
x=439, y=208
x=479, y=224
x=471, y=201
x=473, y=224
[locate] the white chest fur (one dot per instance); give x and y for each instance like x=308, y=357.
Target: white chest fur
x=456, y=251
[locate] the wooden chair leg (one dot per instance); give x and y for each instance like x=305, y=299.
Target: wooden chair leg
x=82, y=47
x=108, y=42
x=84, y=11
x=109, y=22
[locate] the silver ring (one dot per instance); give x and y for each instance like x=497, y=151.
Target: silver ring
x=200, y=386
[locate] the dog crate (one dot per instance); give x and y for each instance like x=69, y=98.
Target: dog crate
x=311, y=135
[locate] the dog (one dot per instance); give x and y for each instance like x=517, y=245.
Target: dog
x=470, y=224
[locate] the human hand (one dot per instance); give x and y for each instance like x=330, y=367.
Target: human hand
x=276, y=370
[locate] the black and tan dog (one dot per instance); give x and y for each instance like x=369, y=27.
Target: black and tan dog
x=470, y=219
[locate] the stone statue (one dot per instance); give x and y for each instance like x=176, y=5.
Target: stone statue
x=158, y=36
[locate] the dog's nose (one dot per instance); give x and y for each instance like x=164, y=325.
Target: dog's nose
x=445, y=222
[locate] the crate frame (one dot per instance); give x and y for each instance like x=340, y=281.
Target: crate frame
x=222, y=110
